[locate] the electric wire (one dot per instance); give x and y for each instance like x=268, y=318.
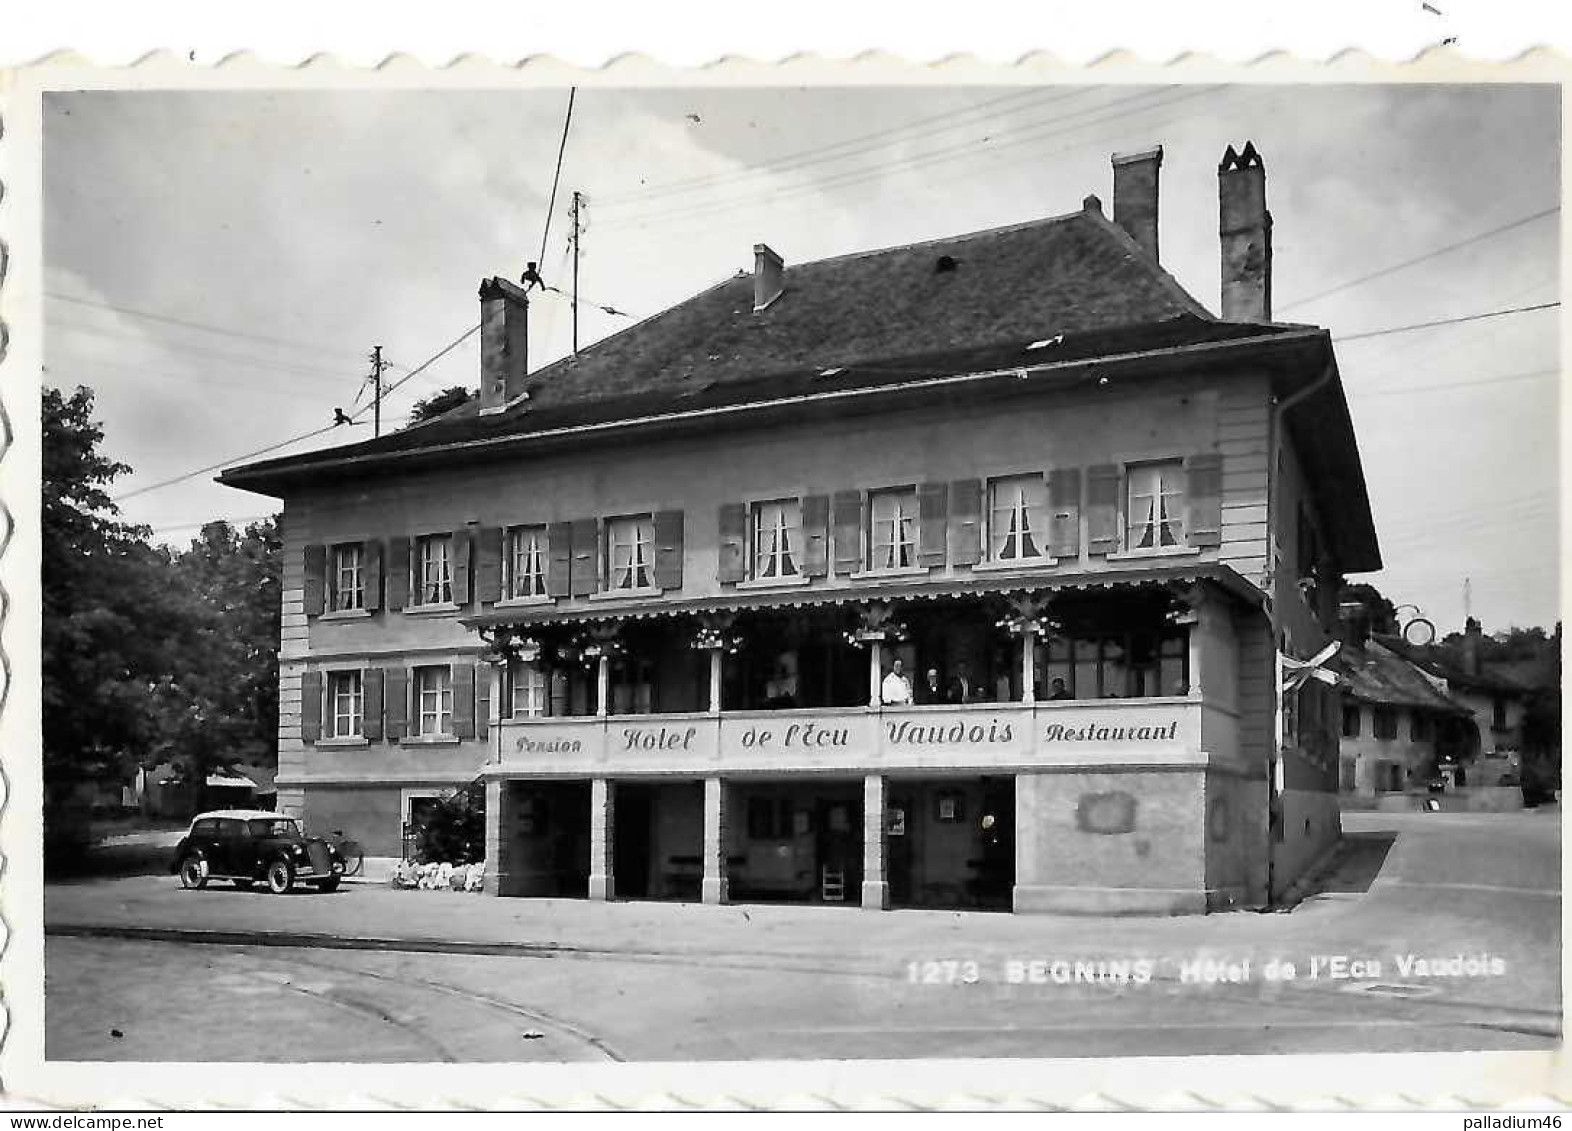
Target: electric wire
x=557, y=176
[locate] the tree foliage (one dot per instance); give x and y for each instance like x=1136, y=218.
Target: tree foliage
x=455, y=831
x=429, y=408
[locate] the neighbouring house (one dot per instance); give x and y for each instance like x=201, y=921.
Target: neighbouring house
x=163, y=791
x=1497, y=699
x=1398, y=730
x=664, y=597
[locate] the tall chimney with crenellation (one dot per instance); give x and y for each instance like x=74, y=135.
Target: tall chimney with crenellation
x=1245, y=228
x=1135, y=195
x=504, y=343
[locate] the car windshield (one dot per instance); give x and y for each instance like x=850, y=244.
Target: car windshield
x=276, y=826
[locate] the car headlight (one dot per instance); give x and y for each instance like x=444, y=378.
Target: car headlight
x=296, y=849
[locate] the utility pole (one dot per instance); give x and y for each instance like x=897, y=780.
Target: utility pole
x=376, y=389
x=574, y=213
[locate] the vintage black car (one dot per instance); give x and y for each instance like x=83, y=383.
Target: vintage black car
x=250, y=846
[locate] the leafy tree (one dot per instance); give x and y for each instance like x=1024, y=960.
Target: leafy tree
x=455, y=831
x=1380, y=612
x=429, y=408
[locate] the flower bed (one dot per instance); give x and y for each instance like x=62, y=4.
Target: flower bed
x=439, y=877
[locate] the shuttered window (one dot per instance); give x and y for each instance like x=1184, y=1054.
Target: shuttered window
x=630, y=544
x=347, y=579
x=434, y=700
x=345, y=705
x=433, y=570
x=1015, y=523
x=894, y=541
x=1155, y=518
x=1384, y=723
x=777, y=534
x=526, y=562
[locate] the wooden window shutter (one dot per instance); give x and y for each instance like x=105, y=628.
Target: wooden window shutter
x=1102, y=508
x=586, y=553
x=482, y=700
x=464, y=700
x=460, y=566
x=310, y=706
x=316, y=579
x=732, y=562
x=395, y=695
x=668, y=550
x=966, y=500
x=371, y=574
x=1204, y=500
x=371, y=704
x=559, y=558
x=398, y=573
x=1064, y=512
x=847, y=508
x=488, y=568
x=933, y=521
x=815, y=536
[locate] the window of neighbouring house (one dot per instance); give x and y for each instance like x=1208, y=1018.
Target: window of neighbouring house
x=1498, y=714
x=777, y=530
x=344, y=704
x=1156, y=501
x=348, y=586
x=630, y=551
x=1015, y=509
x=525, y=562
x=1351, y=720
x=893, y=544
x=530, y=691
x=1384, y=723
x=433, y=570
x=1419, y=728
x=434, y=700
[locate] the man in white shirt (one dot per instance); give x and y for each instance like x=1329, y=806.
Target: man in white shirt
x=897, y=689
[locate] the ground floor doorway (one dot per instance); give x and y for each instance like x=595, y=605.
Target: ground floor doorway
x=795, y=841
x=550, y=838
x=951, y=842
x=657, y=840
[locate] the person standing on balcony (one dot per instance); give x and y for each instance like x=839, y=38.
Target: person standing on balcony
x=932, y=690
x=897, y=689
x=960, y=688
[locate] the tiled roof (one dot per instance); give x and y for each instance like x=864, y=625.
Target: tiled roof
x=1434, y=659
x=1375, y=674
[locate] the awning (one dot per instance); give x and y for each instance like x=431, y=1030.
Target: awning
x=905, y=589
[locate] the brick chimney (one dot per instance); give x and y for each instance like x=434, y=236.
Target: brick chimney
x=768, y=271
x=504, y=343
x=1473, y=635
x=1245, y=228
x=1135, y=195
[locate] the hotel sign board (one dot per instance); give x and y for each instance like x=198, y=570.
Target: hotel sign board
x=858, y=740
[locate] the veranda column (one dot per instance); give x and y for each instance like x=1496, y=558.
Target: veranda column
x=495, y=712
x=714, y=888
x=715, y=680
x=875, y=883
x=603, y=818
x=603, y=686
x=875, y=672
x=1029, y=665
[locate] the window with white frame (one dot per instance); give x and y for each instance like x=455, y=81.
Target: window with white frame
x=1015, y=507
x=630, y=544
x=348, y=586
x=1156, y=502
x=530, y=691
x=345, y=718
x=893, y=544
x=777, y=527
x=526, y=562
x=434, y=700
x=433, y=569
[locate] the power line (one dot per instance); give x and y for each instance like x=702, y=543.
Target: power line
x=1035, y=131
x=562, y=147
x=1445, y=322
x=820, y=154
x=350, y=418
x=185, y=322
x=202, y=352
x=1429, y=255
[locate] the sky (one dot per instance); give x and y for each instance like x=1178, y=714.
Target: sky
x=218, y=265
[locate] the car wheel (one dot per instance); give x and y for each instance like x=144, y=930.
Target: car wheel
x=280, y=875
x=193, y=873
x=330, y=884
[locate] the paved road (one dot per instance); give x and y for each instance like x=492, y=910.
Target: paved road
x=563, y=980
